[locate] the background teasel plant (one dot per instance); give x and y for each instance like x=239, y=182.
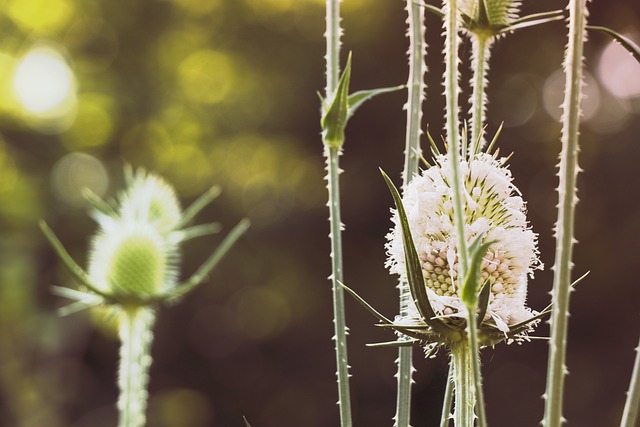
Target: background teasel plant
x=134, y=267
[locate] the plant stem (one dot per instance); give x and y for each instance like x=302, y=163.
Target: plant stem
x=333, y=46
x=481, y=52
x=337, y=277
x=416, y=88
x=135, y=336
x=451, y=91
x=332, y=35
x=630, y=413
x=566, y=210
x=465, y=400
x=448, y=398
x=474, y=350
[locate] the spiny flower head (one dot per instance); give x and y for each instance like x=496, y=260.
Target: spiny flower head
x=488, y=16
x=134, y=255
x=149, y=199
x=132, y=259
x=495, y=211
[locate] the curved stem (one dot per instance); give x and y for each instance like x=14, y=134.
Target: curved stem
x=566, y=210
x=135, y=342
x=630, y=414
x=464, y=391
x=480, y=65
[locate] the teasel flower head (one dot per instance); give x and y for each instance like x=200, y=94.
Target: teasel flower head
x=150, y=200
x=133, y=258
x=488, y=15
x=495, y=212
x=135, y=253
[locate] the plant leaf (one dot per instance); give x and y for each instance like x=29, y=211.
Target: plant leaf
x=211, y=262
x=200, y=230
x=355, y=100
x=626, y=42
x=100, y=205
x=412, y=262
x=199, y=204
x=76, y=271
x=433, y=9
x=469, y=290
x=483, y=301
x=334, y=120
x=399, y=343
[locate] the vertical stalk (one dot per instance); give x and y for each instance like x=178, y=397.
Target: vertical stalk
x=415, y=99
x=135, y=336
x=448, y=399
x=416, y=89
x=480, y=64
x=332, y=154
x=451, y=91
x=464, y=392
x=474, y=351
x=568, y=171
x=332, y=37
x=337, y=277
x=630, y=413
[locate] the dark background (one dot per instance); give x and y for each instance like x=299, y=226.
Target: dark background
x=210, y=92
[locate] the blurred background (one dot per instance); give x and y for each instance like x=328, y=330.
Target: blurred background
x=210, y=92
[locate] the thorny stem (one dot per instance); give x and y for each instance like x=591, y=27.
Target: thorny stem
x=416, y=88
x=332, y=35
x=135, y=342
x=464, y=391
x=566, y=210
x=474, y=350
x=630, y=413
x=481, y=51
x=448, y=399
x=333, y=46
x=451, y=90
x=337, y=277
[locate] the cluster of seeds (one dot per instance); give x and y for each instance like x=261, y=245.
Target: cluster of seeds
x=441, y=278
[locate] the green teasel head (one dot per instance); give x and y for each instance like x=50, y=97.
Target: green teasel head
x=489, y=17
x=135, y=253
x=132, y=259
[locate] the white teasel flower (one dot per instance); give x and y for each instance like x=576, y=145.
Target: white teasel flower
x=495, y=210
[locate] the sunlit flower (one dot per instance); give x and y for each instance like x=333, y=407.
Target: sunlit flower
x=132, y=258
x=151, y=200
x=494, y=210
